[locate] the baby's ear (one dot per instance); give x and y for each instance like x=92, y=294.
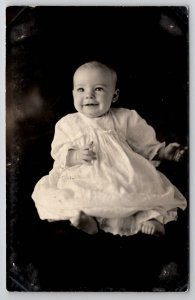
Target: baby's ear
x=115, y=96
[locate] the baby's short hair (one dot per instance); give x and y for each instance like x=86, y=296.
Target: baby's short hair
x=98, y=65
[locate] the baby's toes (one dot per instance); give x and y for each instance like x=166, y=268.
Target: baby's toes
x=144, y=228
x=150, y=229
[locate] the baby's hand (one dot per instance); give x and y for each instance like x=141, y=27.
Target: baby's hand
x=174, y=151
x=80, y=156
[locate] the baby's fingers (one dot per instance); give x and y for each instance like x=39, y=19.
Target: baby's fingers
x=179, y=153
x=87, y=162
x=89, y=154
x=88, y=158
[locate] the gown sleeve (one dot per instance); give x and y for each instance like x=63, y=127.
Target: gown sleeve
x=141, y=137
x=61, y=142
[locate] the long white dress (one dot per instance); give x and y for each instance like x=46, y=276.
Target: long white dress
x=121, y=188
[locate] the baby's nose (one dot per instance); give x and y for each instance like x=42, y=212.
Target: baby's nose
x=89, y=94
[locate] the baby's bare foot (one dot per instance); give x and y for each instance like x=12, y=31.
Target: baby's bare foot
x=153, y=227
x=85, y=223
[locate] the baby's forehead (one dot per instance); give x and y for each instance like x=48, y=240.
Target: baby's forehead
x=95, y=70
x=98, y=70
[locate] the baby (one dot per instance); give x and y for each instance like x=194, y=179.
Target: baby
x=104, y=174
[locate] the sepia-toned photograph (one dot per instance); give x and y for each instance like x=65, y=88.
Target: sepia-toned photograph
x=97, y=149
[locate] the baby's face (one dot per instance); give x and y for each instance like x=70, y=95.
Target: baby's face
x=93, y=92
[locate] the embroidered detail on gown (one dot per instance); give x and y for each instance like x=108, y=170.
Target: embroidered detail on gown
x=121, y=188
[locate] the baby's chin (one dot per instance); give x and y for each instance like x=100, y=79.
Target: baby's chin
x=93, y=115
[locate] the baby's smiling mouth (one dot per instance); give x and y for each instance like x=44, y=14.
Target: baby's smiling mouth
x=90, y=104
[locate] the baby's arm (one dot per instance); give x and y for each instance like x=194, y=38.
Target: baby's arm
x=142, y=139
x=173, y=151
x=84, y=155
x=63, y=151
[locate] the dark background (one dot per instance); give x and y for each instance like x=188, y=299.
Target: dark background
x=148, y=47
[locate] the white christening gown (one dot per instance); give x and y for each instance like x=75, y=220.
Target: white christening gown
x=121, y=188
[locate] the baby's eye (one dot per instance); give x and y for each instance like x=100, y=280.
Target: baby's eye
x=80, y=90
x=98, y=89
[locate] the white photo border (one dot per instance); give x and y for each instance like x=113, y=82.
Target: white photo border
x=4, y=294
